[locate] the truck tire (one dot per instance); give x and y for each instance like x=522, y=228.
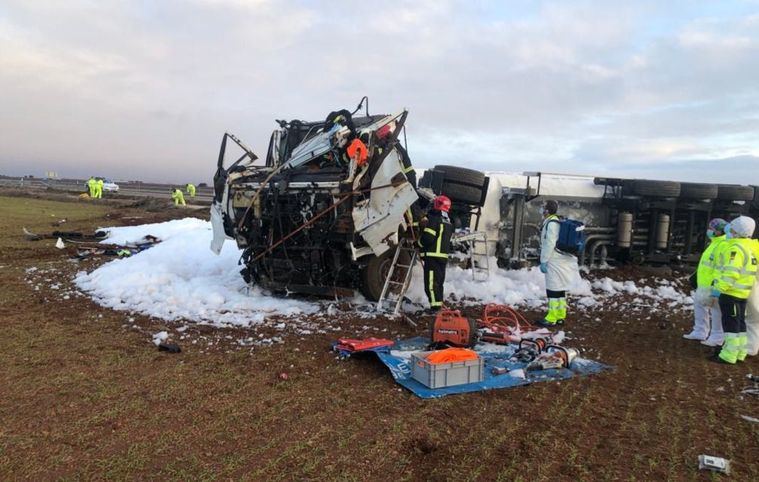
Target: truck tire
x=462, y=193
x=374, y=274
x=734, y=192
x=643, y=187
x=462, y=175
x=693, y=190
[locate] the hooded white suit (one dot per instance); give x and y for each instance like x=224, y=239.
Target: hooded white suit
x=563, y=270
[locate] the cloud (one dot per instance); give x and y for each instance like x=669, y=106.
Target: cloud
x=145, y=90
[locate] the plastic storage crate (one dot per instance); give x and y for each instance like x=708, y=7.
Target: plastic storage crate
x=443, y=375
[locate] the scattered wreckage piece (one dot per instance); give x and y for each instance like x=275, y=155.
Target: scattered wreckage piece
x=71, y=236
x=87, y=245
x=86, y=250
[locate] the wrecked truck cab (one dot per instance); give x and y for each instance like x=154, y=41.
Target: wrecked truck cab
x=321, y=214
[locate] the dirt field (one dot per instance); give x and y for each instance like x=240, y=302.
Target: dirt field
x=86, y=395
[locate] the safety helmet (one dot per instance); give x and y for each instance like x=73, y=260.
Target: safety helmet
x=718, y=224
x=442, y=203
x=357, y=151
x=742, y=227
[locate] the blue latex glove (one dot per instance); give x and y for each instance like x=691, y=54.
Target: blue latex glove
x=715, y=293
x=544, y=267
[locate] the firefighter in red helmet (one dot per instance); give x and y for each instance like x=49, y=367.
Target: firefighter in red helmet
x=435, y=242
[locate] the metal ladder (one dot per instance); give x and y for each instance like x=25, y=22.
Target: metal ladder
x=394, y=291
x=478, y=255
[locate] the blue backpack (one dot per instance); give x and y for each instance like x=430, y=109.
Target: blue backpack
x=571, y=236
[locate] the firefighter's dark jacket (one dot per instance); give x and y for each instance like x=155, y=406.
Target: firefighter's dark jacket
x=435, y=239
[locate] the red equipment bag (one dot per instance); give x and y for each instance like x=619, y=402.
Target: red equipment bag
x=451, y=328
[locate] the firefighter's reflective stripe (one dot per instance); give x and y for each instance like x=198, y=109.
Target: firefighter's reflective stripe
x=408, y=169
x=438, y=243
x=431, y=287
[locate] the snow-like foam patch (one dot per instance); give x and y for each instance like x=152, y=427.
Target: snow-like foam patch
x=524, y=287
x=180, y=278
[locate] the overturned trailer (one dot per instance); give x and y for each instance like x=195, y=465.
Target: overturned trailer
x=627, y=220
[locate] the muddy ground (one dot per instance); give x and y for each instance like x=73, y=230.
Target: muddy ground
x=85, y=394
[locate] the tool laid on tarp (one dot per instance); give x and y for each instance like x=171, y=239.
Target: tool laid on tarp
x=352, y=345
x=502, y=324
x=554, y=356
x=451, y=328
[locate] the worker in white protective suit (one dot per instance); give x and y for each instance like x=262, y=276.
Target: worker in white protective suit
x=752, y=315
x=707, y=319
x=561, y=269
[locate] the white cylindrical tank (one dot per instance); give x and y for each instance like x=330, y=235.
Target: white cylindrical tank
x=624, y=230
x=662, y=231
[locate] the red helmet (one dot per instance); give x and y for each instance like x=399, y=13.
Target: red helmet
x=442, y=203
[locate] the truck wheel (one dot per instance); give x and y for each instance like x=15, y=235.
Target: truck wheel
x=462, y=193
x=734, y=192
x=462, y=175
x=643, y=187
x=374, y=274
x=693, y=190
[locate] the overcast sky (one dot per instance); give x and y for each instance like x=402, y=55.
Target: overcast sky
x=145, y=89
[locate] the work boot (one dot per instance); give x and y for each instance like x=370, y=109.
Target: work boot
x=553, y=315
x=713, y=341
x=729, y=351
x=693, y=335
x=562, y=311
x=742, y=347
x=717, y=359
x=546, y=324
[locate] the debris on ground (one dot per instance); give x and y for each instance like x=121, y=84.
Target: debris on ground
x=715, y=464
x=169, y=347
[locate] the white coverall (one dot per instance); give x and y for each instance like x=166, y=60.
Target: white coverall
x=752, y=322
x=707, y=323
x=563, y=271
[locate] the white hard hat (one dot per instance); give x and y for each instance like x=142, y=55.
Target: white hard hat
x=742, y=227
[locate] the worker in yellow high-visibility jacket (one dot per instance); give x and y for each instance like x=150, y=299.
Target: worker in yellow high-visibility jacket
x=99, y=188
x=707, y=320
x=178, y=197
x=735, y=276
x=91, y=186
x=190, y=187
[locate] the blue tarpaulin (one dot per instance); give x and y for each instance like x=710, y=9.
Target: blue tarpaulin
x=397, y=359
